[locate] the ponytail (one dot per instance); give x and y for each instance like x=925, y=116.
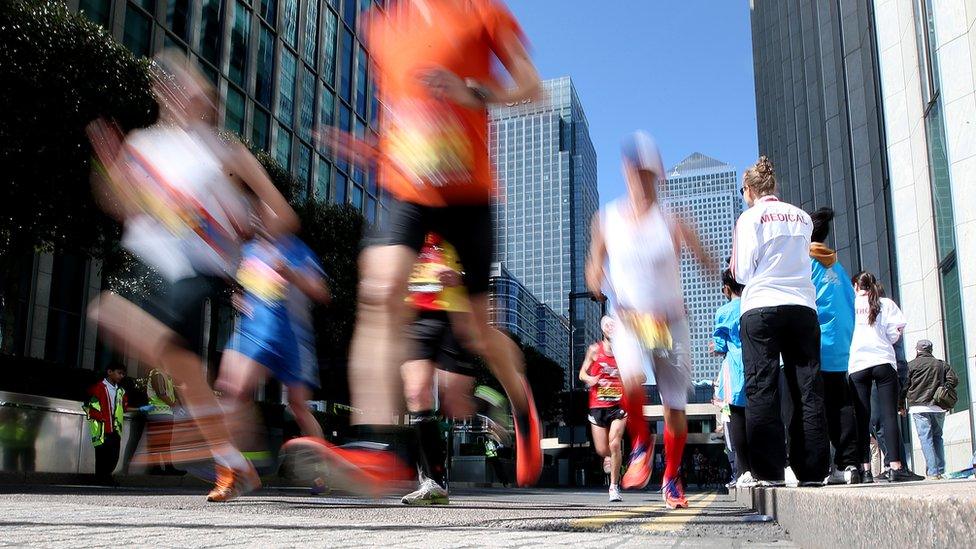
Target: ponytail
x=867, y=282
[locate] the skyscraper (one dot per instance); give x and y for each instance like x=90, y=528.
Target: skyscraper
x=703, y=191
x=545, y=164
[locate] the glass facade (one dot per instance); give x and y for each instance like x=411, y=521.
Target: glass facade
x=545, y=165
x=942, y=207
x=704, y=191
x=513, y=308
x=275, y=64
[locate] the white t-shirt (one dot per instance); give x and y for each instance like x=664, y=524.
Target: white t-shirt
x=192, y=213
x=874, y=344
x=771, y=255
x=112, y=391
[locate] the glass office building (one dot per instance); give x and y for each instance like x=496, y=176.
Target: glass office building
x=282, y=68
x=704, y=191
x=516, y=310
x=545, y=165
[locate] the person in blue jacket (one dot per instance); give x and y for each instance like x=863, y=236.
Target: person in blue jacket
x=835, y=309
x=732, y=379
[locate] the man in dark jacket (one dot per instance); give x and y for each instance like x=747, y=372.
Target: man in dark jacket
x=926, y=374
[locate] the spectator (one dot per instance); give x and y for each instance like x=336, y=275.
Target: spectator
x=105, y=411
x=926, y=374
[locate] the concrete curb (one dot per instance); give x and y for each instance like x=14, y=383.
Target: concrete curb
x=918, y=514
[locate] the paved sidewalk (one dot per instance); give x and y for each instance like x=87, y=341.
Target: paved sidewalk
x=914, y=514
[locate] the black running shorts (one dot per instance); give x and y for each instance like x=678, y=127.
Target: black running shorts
x=180, y=306
x=468, y=228
x=603, y=417
x=433, y=339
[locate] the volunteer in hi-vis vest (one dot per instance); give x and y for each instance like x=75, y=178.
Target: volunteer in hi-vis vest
x=105, y=411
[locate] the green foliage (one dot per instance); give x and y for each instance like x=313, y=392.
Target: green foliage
x=59, y=71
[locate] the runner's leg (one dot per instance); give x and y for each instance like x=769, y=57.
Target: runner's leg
x=616, y=435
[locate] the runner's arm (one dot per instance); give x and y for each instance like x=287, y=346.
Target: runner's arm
x=584, y=376
x=278, y=217
x=597, y=257
x=689, y=236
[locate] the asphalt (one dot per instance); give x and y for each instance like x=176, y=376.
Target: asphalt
x=79, y=516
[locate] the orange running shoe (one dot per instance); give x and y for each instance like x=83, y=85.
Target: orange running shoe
x=528, y=449
x=232, y=483
x=673, y=494
x=638, y=468
x=359, y=470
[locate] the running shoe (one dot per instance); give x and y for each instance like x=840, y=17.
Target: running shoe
x=674, y=494
x=638, y=468
x=429, y=493
x=615, y=494
x=867, y=477
x=836, y=476
x=528, y=458
x=852, y=475
x=494, y=405
x=899, y=475
x=789, y=477
x=745, y=480
x=232, y=483
x=365, y=470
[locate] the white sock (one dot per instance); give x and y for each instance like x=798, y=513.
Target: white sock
x=228, y=456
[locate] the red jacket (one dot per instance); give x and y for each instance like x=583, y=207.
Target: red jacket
x=104, y=415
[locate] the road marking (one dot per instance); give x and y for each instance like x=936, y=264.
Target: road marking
x=676, y=519
x=597, y=522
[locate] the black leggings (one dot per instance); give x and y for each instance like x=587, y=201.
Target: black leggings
x=737, y=433
x=885, y=376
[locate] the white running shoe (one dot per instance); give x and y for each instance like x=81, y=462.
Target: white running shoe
x=790, y=478
x=745, y=480
x=836, y=476
x=615, y=493
x=429, y=493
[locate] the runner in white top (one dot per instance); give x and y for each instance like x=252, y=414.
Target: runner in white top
x=770, y=256
x=177, y=189
x=636, y=248
x=878, y=325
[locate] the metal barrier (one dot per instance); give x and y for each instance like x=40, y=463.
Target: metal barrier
x=48, y=435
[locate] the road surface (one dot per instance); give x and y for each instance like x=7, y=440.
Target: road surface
x=72, y=517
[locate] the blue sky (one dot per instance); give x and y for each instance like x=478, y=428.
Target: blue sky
x=680, y=69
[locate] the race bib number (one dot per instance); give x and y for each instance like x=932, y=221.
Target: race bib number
x=609, y=393
x=652, y=332
x=429, y=143
x=261, y=281
x=424, y=279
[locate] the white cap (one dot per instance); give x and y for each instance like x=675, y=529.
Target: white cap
x=640, y=149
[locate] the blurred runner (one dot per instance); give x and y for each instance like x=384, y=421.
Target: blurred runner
x=607, y=416
x=636, y=247
x=173, y=187
x=279, y=277
x=436, y=77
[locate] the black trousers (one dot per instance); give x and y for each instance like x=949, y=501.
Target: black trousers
x=737, y=434
x=107, y=456
x=841, y=419
x=885, y=377
x=793, y=332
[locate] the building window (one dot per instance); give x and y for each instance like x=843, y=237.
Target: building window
x=328, y=46
x=268, y=10
x=97, y=11
x=237, y=71
x=211, y=23
x=286, y=87
x=349, y=12
x=137, y=35
x=346, y=58
x=361, y=83
x=307, y=117
x=323, y=180
x=264, y=85
x=304, y=171
x=260, y=128
x=178, y=18
x=234, y=111
x=283, y=149
x=356, y=198
x=290, y=31
x=339, y=191
x=311, y=31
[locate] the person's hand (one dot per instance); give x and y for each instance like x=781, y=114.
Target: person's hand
x=594, y=280
x=590, y=381
x=444, y=84
x=902, y=412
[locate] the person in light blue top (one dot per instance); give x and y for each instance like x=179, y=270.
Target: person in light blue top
x=732, y=378
x=835, y=310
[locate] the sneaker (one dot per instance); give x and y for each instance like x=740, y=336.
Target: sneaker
x=935, y=477
x=730, y=485
x=899, y=475
x=867, y=477
x=528, y=449
x=745, y=480
x=852, y=475
x=638, y=469
x=232, y=483
x=674, y=494
x=790, y=478
x=494, y=405
x=615, y=494
x=836, y=476
x=770, y=483
x=429, y=493
x=364, y=469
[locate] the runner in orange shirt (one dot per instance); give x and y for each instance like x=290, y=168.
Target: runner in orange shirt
x=434, y=61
